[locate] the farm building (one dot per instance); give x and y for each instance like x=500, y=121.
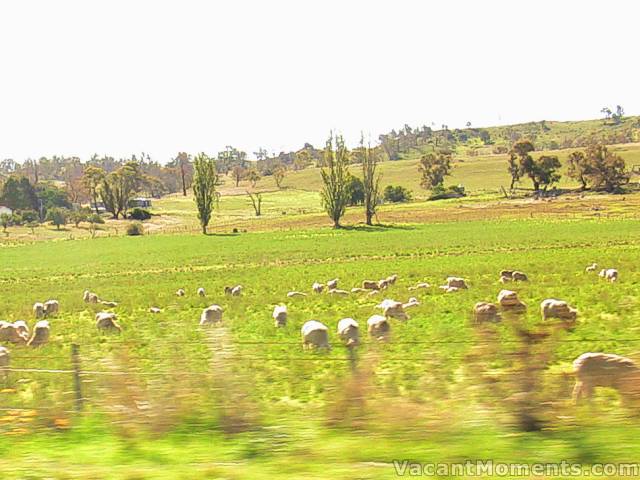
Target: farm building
x=140, y=202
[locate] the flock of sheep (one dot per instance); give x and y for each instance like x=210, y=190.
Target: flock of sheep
x=591, y=369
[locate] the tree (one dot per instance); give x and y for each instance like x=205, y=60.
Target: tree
x=605, y=169
x=617, y=117
x=355, y=189
x=519, y=155
x=92, y=178
x=370, y=180
x=279, y=173
x=395, y=194
x=578, y=168
x=302, y=160
x=543, y=171
x=58, y=216
x=256, y=201
x=183, y=163
x=5, y=221
x=607, y=113
x=334, y=194
x=205, y=179
x=94, y=220
x=19, y=194
x=78, y=216
x=433, y=168
x=253, y=176
x=238, y=173
x=118, y=188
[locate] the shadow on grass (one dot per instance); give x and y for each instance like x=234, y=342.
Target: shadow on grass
x=378, y=227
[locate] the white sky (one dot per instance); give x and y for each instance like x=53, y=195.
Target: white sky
x=120, y=77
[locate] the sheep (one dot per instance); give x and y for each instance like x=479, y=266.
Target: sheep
x=180, y=292
x=154, y=310
x=591, y=268
x=317, y=287
x=419, y=286
x=373, y=293
x=211, y=315
x=456, y=282
x=337, y=292
x=236, y=291
x=359, y=290
x=519, y=277
x=348, y=332
x=332, y=284
x=40, y=335
x=610, y=274
x=315, y=335
x=109, y=304
x=107, y=321
x=605, y=370
x=201, y=292
x=393, y=309
x=90, y=297
x=383, y=284
x=504, y=279
x=486, y=312
x=508, y=299
x=10, y=332
x=378, y=327
x=506, y=273
x=51, y=307
x=448, y=289
x=38, y=310
x=412, y=302
x=370, y=285
x=391, y=279
x=552, y=308
x=280, y=315
x=227, y=290
x=4, y=361
x=22, y=328
x=295, y=294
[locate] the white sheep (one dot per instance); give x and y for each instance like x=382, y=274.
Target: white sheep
x=519, y=277
x=358, y=290
x=90, y=297
x=391, y=279
x=552, y=308
x=180, y=292
x=108, y=304
x=40, y=335
x=605, y=370
x=337, y=292
x=609, y=274
x=349, y=332
x=378, y=327
x=383, y=284
x=236, y=291
x=393, y=309
x=9, y=332
x=201, y=292
x=280, y=315
x=419, y=286
x=211, y=315
x=315, y=335
x=370, y=285
x=486, y=312
x=38, y=310
x=51, y=307
x=412, y=302
x=295, y=294
x=332, y=284
x=508, y=299
x=317, y=287
x=457, y=282
x=22, y=328
x=154, y=310
x=107, y=321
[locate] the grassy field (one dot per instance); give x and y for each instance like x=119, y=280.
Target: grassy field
x=167, y=399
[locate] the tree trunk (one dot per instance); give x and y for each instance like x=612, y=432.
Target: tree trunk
x=204, y=229
x=184, y=185
x=369, y=217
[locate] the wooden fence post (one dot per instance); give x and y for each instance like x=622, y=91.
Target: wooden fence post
x=77, y=382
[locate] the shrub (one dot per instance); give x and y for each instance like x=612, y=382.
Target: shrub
x=139, y=214
x=95, y=218
x=452, y=191
x=58, y=216
x=395, y=194
x=29, y=216
x=135, y=228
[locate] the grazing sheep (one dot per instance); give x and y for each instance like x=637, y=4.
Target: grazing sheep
x=359, y=290
x=378, y=327
x=228, y=290
x=348, y=332
x=22, y=328
x=552, y=308
x=605, y=370
x=412, y=302
x=448, y=289
x=506, y=273
x=4, y=362
x=90, y=297
x=314, y=335
x=211, y=315
x=519, y=277
x=391, y=279
x=109, y=304
x=338, y=292
x=154, y=310
x=591, y=268
x=508, y=299
x=107, y=321
x=486, y=312
x=201, y=292
x=51, y=307
x=370, y=285
x=40, y=334
x=393, y=309
x=180, y=292
x=609, y=274
x=456, y=282
x=317, y=287
x=38, y=310
x=504, y=279
x=383, y=284
x=420, y=285
x=295, y=294
x=332, y=284
x=280, y=315
x=373, y=293
x=236, y=291
x=10, y=332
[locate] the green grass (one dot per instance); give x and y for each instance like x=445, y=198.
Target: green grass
x=426, y=401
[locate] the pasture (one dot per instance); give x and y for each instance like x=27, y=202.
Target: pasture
x=243, y=400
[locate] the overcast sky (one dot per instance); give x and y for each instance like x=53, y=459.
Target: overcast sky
x=121, y=77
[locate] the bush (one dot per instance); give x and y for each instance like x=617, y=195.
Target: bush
x=395, y=194
x=135, y=228
x=139, y=214
x=29, y=216
x=58, y=216
x=452, y=191
x=95, y=218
